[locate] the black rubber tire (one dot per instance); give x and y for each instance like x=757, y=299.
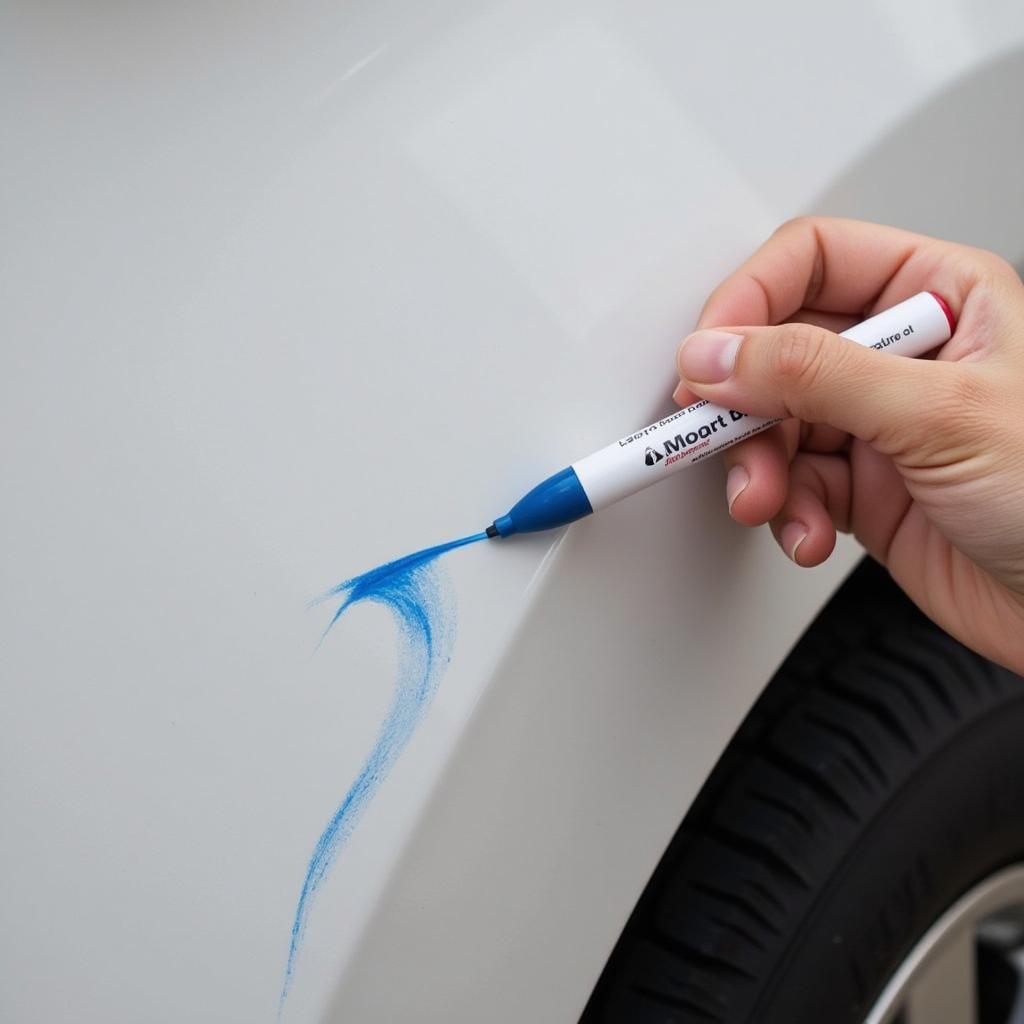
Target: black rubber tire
x=879, y=777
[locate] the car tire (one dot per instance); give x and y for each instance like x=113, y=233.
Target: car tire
x=878, y=778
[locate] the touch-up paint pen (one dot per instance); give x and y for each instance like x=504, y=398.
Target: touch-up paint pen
x=693, y=434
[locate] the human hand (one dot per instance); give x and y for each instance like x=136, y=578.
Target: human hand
x=922, y=460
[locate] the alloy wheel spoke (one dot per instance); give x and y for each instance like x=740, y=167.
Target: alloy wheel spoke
x=945, y=989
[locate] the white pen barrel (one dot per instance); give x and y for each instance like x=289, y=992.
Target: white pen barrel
x=690, y=435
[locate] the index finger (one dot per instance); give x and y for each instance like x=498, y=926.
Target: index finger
x=821, y=263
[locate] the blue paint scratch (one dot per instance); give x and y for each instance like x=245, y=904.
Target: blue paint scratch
x=424, y=611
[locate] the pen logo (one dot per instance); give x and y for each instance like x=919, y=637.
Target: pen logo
x=652, y=458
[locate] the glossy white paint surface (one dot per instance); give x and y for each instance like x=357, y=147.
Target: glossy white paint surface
x=245, y=248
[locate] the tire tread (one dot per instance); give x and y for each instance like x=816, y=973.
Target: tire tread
x=869, y=691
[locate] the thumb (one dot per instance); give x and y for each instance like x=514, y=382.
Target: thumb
x=804, y=371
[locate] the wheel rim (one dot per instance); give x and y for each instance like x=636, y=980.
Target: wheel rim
x=969, y=966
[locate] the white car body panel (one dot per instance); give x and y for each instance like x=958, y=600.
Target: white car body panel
x=291, y=290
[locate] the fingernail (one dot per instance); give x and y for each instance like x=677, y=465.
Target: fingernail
x=708, y=356
x=735, y=483
x=792, y=536
x=679, y=395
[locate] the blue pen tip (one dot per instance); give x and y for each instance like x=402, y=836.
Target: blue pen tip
x=503, y=526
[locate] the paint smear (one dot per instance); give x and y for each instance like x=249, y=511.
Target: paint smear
x=423, y=606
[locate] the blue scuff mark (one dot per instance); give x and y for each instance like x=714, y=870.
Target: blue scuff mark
x=420, y=600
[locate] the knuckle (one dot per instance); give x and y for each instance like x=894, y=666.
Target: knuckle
x=976, y=266
x=995, y=266
x=968, y=394
x=962, y=403
x=961, y=417
x=795, y=358
x=798, y=225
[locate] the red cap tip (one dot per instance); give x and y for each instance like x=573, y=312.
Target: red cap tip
x=944, y=305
